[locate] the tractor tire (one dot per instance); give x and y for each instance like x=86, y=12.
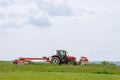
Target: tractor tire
x=55, y=60
x=71, y=62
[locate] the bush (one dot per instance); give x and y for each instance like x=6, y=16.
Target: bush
x=107, y=63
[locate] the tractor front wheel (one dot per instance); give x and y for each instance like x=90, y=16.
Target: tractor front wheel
x=71, y=62
x=55, y=60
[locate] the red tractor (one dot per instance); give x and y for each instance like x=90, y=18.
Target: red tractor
x=61, y=57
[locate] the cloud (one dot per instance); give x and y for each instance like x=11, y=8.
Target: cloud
x=58, y=10
x=55, y=9
x=19, y=13
x=39, y=22
x=63, y=8
x=5, y=2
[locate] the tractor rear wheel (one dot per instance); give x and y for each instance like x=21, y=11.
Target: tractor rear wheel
x=55, y=60
x=71, y=62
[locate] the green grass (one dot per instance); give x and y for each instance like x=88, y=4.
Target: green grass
x=44, y=71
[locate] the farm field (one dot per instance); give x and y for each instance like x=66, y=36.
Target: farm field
x=46, y=71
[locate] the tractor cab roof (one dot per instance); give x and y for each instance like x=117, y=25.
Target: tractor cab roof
x=63, y=51
x=60, y=50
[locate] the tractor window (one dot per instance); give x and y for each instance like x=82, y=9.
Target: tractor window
x=62, y=54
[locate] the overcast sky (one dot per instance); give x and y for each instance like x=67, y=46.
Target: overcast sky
x=37, y=28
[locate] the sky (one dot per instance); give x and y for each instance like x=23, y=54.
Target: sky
x=37, y=28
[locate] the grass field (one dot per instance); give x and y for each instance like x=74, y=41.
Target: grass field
x=44, y=71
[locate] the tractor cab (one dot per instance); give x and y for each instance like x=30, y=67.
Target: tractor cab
x=62, y=53
x=61, y=57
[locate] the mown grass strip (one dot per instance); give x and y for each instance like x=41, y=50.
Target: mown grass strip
x=45, y=67
x=32, y=75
